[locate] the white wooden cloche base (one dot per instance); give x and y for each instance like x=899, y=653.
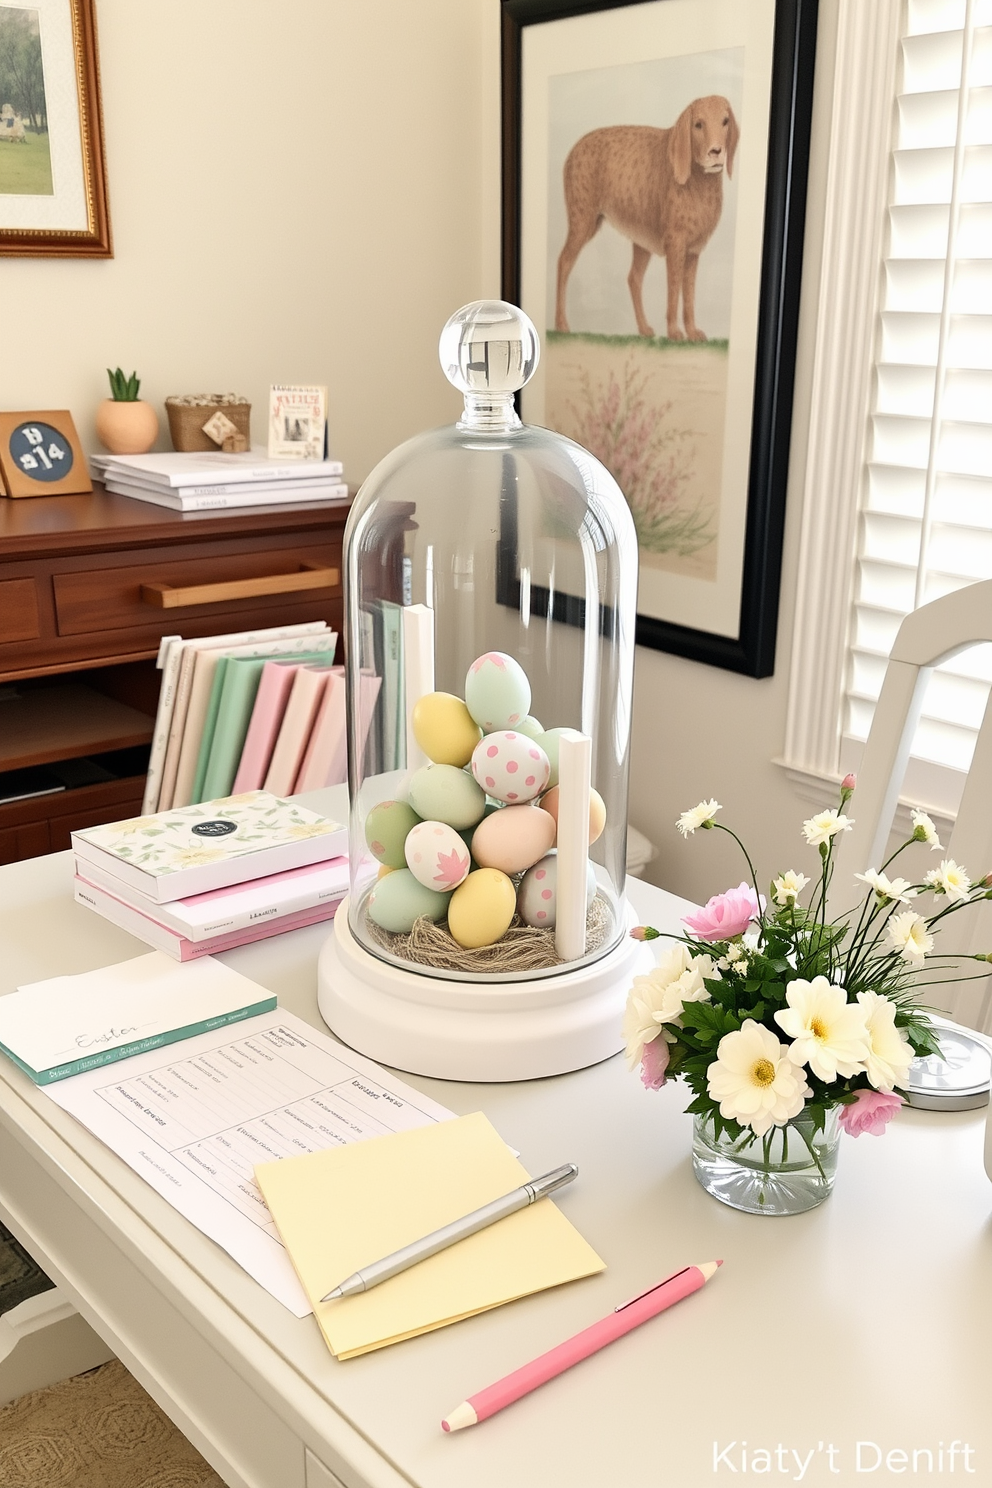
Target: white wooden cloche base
x=492, y=1031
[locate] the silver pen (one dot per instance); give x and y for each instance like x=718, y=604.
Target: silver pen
x=469, y=1224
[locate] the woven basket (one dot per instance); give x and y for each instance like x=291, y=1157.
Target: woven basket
x=186, y=422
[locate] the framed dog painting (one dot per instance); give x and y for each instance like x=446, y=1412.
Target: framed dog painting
x=53, y=190
x=654, y=178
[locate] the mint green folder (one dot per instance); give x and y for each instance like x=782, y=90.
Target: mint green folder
x=228, y=716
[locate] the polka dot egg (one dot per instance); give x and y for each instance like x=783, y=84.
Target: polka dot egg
x=537, y=897
x=510, y=767
x=437, y=856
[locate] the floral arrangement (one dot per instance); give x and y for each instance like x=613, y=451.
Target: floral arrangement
x=772, y=1012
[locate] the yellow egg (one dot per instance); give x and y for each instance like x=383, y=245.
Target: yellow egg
x=597, y=810
x=444, y=728
x=480, y=909
x=385, y=868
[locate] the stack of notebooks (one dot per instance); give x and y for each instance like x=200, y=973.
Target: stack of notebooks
x=256, y=710
x=213, y=876
x=206, y=482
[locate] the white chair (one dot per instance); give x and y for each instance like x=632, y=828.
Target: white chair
x=928, y=636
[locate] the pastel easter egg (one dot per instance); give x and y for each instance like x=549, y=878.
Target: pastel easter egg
x=530, y=726
x=436, y=856
x=444, y=728
x=513, y=838
x=443, y=793
x=480, y=909
x=549, y=742
x=497, y=691
x=384, y=868
x=510, y=767
x=386, y=828
x=397, y=900
x=597, y=810
x=537, y=896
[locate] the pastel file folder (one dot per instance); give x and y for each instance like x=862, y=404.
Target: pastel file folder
x=341, y=1209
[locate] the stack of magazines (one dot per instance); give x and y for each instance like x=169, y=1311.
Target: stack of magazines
x=207, y=878
x=211, y=481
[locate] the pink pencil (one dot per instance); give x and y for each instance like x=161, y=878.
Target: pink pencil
x=630, y=1315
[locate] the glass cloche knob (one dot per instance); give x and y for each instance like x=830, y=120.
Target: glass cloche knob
x=489, y=350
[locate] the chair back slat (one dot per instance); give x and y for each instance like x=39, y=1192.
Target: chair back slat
x=930, y=635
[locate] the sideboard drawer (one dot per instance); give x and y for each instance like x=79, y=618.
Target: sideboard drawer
x=236, y=585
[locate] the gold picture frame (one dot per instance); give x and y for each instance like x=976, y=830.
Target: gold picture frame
x=36, y=448
x=53, y=178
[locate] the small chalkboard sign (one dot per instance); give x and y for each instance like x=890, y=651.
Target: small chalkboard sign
x=40, y=455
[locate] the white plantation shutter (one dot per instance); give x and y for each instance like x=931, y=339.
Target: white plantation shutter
x=926, y=523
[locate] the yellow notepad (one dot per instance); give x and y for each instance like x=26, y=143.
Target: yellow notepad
x=342, y=1209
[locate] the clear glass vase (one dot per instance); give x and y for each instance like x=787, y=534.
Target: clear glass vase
x=788, y=1170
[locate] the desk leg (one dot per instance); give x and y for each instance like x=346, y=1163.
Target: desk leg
x=43, y=1341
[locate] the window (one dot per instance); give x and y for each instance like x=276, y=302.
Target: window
x=917, y=473
x=926, y=525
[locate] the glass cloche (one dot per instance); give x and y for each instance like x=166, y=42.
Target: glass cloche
x=490, y=592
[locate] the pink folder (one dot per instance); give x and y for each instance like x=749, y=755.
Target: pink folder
x=266, y=720
x=309, y=685
x=325, y=761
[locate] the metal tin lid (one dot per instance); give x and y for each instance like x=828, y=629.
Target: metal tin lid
x=959, y=1081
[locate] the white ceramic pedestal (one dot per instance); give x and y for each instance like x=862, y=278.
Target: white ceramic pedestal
x=469, y=1030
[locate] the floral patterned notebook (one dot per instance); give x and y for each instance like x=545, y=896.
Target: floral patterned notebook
x=192, y=849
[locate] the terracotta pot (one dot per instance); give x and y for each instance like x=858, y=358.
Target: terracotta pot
x=126, y=428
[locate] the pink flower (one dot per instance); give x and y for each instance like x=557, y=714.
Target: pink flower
x=726, y=915
x=870, y=1111
x=849, y=782
x=654, y=1063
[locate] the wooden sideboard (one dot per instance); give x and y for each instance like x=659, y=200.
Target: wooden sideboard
x=87, y=590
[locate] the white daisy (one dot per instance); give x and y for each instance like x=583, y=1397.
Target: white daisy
x=889, y=890
x=824, y=825
x=909, y=936
x=950, y=879
x=789, y=887
x=924, y=830
x=700, y=816
x=828, y=1032
x=754, y=1080
x=891, y=1052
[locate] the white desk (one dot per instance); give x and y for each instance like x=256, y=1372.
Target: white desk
x=868, y=1319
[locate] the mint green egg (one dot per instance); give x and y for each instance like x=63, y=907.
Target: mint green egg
x=386, y=828
x=531, y=726
x=398, y=900
x=548, y=741
x=497, y=692
x=446, y=794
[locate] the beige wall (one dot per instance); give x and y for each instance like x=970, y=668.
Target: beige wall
x=295, y=196
x=303, y=191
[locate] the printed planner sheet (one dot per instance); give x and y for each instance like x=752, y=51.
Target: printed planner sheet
x=194, y=1119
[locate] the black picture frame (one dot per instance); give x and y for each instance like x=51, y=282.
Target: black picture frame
x=752, y=652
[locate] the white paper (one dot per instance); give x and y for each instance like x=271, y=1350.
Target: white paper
x=194, y=1120
x=70, y=1019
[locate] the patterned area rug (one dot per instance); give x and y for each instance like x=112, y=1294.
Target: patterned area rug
x=20, y=1277
x=99, y=1430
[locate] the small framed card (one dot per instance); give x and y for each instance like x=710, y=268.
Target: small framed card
x=297, y=422
x=40, y=455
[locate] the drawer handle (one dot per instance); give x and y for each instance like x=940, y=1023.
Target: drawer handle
x=308, y=576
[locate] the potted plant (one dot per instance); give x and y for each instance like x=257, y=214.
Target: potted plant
x=125, y=424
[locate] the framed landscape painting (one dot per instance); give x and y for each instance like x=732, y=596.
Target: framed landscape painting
x=53, y=192
x=654, y=174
